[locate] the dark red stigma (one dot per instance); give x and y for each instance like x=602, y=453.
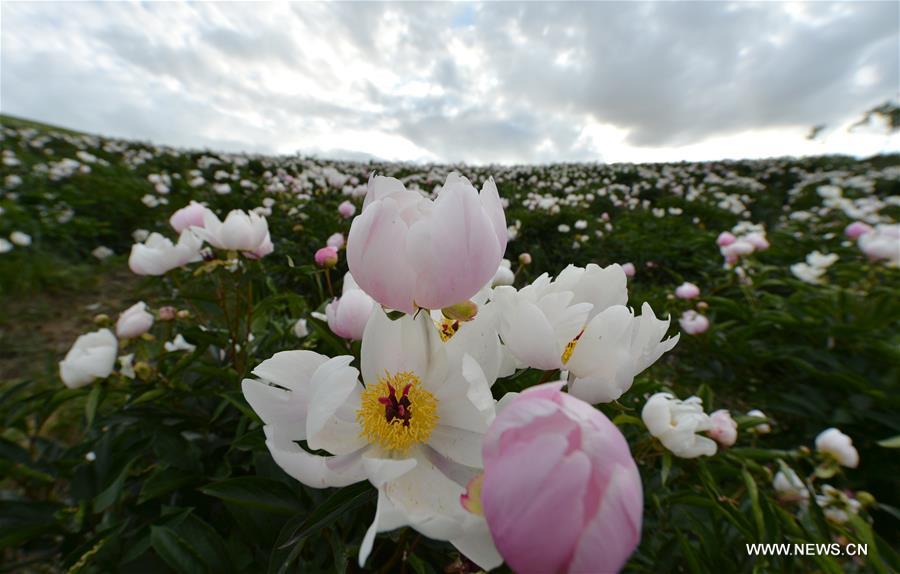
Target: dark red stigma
x=397, y=409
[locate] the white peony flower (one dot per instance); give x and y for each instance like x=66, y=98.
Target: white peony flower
x=179, y=344
x=413, y=429
x=838, y=445
x=157, y=255
x=241, y=231
x=91, y=357
x=677, y=424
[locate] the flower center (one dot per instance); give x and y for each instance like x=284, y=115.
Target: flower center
x=397, y=412
x=570, y=348
x=448, y=328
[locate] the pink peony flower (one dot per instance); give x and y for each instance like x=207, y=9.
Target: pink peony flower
x=693, y=323
x=725, y=239
x=406, y=251
x=856, y=229
x=687, y=291
x=561, y=491
x=347, y=210
x=188, y=216
x=326, y=257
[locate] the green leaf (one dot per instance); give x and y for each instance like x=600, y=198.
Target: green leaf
x=175, y=551
x=163, y=481
x=110, y=494
x=338, y=504
x=256, y=492
x=93, y=401
x=753, y=492
x=666, y=467
x=893, y=442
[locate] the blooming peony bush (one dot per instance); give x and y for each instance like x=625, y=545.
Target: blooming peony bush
x=291, y=365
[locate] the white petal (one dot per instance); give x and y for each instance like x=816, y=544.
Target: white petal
x=310, y=469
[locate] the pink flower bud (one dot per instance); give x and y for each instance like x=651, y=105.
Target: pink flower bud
x=629, y=269
x=561, y=491
x=725, y=238
x=687, y=291
x=326, y=257
x=525, y=259
x=724, y=429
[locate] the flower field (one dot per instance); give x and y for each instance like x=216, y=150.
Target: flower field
x=218, y=362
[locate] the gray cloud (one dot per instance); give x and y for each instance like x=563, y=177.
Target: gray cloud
x=500, y=82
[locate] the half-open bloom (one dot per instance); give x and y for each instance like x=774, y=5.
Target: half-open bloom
x=407, y=251
x=157, y=255
x=188, y=216
x=839, y=446
x=247, y=232
x=91, y=357
x=134, y=321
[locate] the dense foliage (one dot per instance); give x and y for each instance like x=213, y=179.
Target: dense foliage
x=167, y=469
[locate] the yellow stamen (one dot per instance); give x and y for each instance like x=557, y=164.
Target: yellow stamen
x=570, y=348
x=447, y=328
x=397, y=412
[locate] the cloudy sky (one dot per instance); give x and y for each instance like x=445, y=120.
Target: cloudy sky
x=499, y=82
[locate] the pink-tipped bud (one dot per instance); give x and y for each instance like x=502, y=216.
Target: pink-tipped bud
x=687, y=291
x=725, y=238
x=525, y=259
x=629, y=269
x=326, y=257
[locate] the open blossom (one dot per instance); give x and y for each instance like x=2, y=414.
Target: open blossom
x=838, y=445
x=241, y=231
x=613, y=349
x=407, y=251
x=347, y=315
x=158, y=255
x=789, y=487
x=677, y=423
x=91, y=357
x=188, y=216
x=693, y=323
x=882, y=243
x=687, y=291
x=724, y=428
x=347, y=209
x=561, y=491
x=134, y=321
x=413, y=429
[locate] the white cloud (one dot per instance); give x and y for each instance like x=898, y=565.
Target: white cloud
x=499, y=82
